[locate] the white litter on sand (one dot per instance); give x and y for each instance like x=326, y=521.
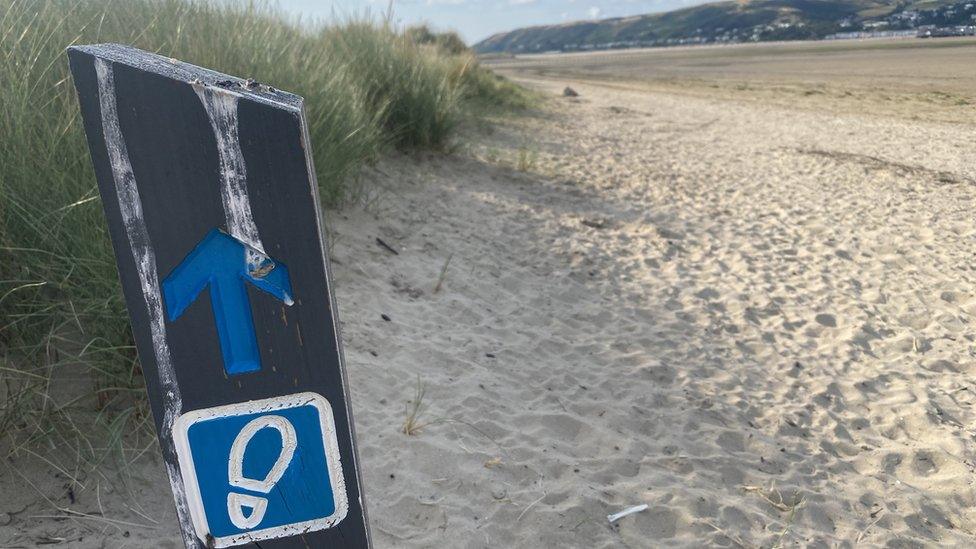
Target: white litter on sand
x=628, y=511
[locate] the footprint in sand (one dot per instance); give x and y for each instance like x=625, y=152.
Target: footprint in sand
x=924, y=464
x=826, y=320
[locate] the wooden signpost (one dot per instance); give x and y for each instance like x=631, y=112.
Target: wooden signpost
x=212, y=204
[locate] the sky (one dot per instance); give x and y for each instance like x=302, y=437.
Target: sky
x=478, y=19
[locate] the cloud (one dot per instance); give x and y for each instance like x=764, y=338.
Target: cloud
x=593, y=12
x=520, y=2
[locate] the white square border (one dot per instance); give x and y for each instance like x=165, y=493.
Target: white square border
x=188, y=471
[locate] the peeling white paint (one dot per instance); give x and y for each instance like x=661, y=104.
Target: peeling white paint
x=137, y=234
x=221, y=109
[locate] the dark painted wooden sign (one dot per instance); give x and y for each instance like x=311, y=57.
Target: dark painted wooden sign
x=210, y=194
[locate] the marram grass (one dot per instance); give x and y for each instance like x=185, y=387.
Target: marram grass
x=367, y=88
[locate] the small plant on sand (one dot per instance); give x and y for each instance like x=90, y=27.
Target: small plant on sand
x=443, y=274
x=415, y=408
x=775, y=498
x=526, y=160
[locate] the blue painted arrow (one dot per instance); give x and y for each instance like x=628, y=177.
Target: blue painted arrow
x=225, y=263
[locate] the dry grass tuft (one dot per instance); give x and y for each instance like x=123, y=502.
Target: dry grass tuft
x=415, y=409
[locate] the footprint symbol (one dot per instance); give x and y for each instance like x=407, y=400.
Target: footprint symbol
x=237, y=502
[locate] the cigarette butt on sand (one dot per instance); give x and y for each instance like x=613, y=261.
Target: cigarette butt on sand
x=628, y=511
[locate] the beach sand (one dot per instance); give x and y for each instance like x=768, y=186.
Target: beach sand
x=756, y=317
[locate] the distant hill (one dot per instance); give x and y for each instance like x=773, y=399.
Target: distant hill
x=736, y=21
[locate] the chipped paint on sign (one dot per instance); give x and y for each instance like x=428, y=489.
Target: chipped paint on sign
x=130, y=205
x=221, y=107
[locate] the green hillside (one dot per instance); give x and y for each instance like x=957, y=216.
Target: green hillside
x=720, y=22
